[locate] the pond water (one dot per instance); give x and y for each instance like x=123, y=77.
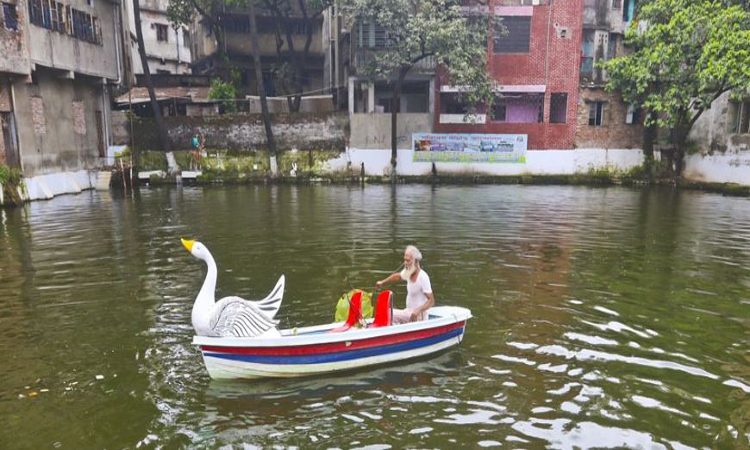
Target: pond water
x=604, y=317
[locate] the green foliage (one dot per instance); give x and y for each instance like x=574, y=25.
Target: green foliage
x=686, y=54
x=10, y=175
x=420, y=29
x=221, y=90
x=342, y=306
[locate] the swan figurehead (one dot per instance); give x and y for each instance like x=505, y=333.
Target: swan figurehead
x=204, y=303
x=231, y=316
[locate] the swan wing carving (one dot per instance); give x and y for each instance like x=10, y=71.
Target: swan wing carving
x=237, y=317
x=271, y=304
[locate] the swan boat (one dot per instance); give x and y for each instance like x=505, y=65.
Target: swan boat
x=238, y=338
x=321, y=349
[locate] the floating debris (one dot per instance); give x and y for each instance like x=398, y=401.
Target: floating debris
x=100, y=377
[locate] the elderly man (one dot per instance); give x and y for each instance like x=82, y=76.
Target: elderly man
x=419, y=296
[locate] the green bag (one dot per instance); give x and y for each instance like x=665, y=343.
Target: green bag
x=342, y=307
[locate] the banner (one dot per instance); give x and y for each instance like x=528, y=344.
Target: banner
x=497, y=148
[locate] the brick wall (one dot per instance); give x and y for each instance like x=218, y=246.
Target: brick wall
x=614, y=133
x=553, y=61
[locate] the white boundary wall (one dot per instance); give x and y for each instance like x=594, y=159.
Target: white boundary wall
x=538, y=162
x=728, y=167
x=44, y=187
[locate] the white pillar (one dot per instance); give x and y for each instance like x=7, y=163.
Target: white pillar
x=431, y=104
x=371, y=97
x=351, y=95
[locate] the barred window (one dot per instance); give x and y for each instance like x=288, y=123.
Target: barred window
x=162, y=32
x=518, y=37
x=10, y=17
x=597, y=113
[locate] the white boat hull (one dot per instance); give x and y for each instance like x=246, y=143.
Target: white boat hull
x=315, y=350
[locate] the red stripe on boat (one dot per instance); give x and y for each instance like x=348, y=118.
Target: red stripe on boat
x=311, y=349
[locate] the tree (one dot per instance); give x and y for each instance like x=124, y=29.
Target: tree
x=160, y=127
x=686, y=53
x=261, y=88
x=415, y=30
x=287, y=15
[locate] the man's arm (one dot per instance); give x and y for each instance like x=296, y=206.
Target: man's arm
x=392, y=278
x=427, y=305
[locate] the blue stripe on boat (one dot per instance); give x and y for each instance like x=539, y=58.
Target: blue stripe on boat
x=341, y=356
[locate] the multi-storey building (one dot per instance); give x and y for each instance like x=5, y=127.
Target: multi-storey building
x=59, y=60
x=167, y=46
x=232, y=43
x=604, y=121
x=536, y=66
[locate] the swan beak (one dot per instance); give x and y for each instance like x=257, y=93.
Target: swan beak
x=188, y=244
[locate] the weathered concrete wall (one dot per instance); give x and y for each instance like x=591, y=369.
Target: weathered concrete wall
x=276, y=105
x=614, y=133
x=14, y=44
x=720, y=155
x=373, y=130
x=56, y=121
x=119, y=128
x=60, y=51
x=712, y=132
x=246, y=132
x=731, y=166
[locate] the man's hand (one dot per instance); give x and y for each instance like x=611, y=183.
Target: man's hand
x=414, y=316
x=379, y=284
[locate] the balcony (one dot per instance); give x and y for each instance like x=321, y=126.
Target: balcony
x=364, y=56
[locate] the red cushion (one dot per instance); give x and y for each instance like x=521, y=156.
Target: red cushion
x=383, y=310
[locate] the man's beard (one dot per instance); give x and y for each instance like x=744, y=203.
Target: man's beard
x=407, y=272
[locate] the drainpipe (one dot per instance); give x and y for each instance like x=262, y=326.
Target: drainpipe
x=116, y=20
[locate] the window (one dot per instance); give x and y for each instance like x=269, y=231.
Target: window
x=498, y=112
x=35, y=12
x=162, y=33
x=632, y=116
x=519, y=108
x=10, y=16
x=612, y=46
x=558, y=108
x=371, y=35
x=597, y=113
x=451, y=103
x=616, y=4
x=518, y=38
x=628, y=10
x=55, y=18
x=46, y=19
x=739, y=120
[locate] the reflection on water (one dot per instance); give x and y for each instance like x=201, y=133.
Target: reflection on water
x=603, y=317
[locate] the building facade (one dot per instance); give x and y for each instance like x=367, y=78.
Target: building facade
x=228, y=49
x=536, y=67
x=167, y=47
x=604, y=121
x=60, y=60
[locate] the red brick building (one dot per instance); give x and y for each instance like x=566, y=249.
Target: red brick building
x=537, y=66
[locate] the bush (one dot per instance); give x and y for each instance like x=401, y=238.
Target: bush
x=221, y=90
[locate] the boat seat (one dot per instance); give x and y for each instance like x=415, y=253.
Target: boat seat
x=383, y=310
x=355, y=313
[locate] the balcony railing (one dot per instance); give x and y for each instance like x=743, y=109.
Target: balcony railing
x=363, y=56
